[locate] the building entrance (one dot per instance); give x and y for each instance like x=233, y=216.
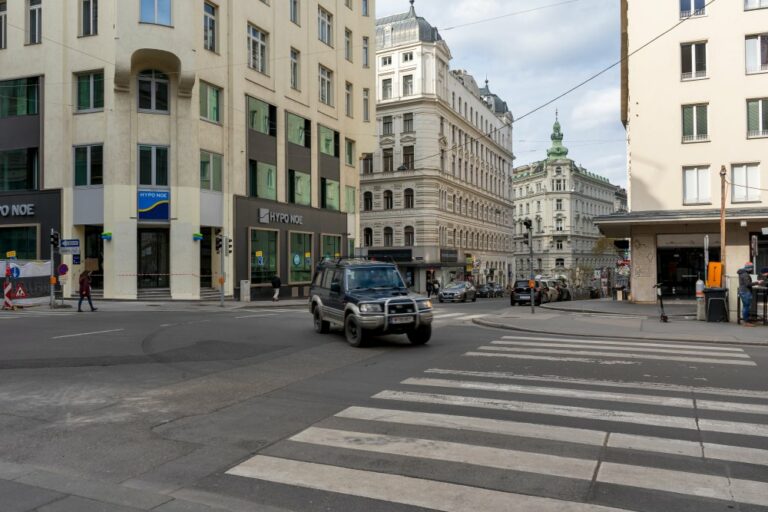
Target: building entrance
x=153, y=258
x=680, y=268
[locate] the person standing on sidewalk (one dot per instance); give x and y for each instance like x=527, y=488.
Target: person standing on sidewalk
x=430, y=288
x=276, y=284
x=85, y=291
x=745, y=291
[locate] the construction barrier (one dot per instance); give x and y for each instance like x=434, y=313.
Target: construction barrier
x=29, y=282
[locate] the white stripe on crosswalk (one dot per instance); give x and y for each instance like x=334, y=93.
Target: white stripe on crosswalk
x=440, y=316
x=491, y=457
x=404, y=490
x=627, y=343
x=621, y=355
x=696, y=484
x=711, y=405
x=550, y=358
x=742, y=393
x=591, y=346
x=714, y=451
x=736, y=453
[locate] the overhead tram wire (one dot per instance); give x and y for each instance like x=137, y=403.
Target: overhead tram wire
x=516, y=13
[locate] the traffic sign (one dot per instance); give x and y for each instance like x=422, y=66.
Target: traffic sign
x=260, y=261
x=10, y=254
x=75, y=259
x=63, y=269
x=71, y=246
x=20, y=292
x=15, y=272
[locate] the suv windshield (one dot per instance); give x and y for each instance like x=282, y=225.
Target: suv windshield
x=374, y=278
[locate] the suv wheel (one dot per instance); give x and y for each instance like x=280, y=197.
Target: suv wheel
x=321, y=326
x=420, y=335
x=353, y=332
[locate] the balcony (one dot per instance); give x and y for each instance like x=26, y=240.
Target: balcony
x=756, y=134
x=693, y=75
x=699, y=137
x=692, y=13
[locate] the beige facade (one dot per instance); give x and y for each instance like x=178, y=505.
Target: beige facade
x=231, y=50
x=692, y=104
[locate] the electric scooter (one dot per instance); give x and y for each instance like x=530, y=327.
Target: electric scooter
x=663, y=318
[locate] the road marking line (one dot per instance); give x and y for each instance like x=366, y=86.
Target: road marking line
x=490, y=457
x=606, y=383
x=255, y=316
x=472, y=317
x=656, y=445
x=85, y=334
x=736, y=453
x=627, y=343
x=548, y=358
x=711, y=405
x=439, y=316
x=680, y=482
x=733, y=427
x=590, y=346
x=622, y=356
x=417, y=492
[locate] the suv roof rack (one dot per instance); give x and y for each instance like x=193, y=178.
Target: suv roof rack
x=349, y=260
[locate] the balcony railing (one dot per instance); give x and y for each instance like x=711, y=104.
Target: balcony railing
x=757, y=133
x=693, y=75
x=699, y=137
x=690, y=14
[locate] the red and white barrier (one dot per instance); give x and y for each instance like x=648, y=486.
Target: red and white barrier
x=7, y=289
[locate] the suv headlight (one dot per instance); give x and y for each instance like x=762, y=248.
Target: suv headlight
x=371, y=308
x=425, y=304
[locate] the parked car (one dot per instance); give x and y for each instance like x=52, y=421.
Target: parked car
x=485, y=291
x=553, y=291
x=458, y=292
x=521, y=294
x=498, y=290
x=367, y=298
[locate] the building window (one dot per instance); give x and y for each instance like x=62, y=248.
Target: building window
x=257, y=49
x=408, y=57
x=153, y=166
x=690, y=8
x=693, y=58
x=209, y=102
x=90, y=92
x=264, y=256
x=299, y=188
x=365, y=7
x=367, y=163
x=3, y=25
x=89, y=17
x=558, y=204
x=209, y=26
x=329, y=141
x=558, y=224
x=349, y=152
x=386, y=89
x=386, y=60
x=330, y=194
x=407, y=85
x=326, y=85
x=757, y=53
x=348, y=99
x=348, y=44
x=388, y=160
x=210, y=171
x=757, y=118
x=299, y=131
x=300, y=260
x=34, y=21
x=695, y=126
x=262, y=180
x=746, y=183
x=156, y=11
x=19, y=170
x=262, y=117
x=368, y=237
x=388, y=202
x=88, y=165
x=755, y=4
x=560, y=263
x=409, y=236
x=325, y=26
x=559, y=245
x=408, y=122
x=366, y=52
x=367, y=202
x=695, y=185
x=386, y=124
x=22, y=239
x=331, y=247
x=408, y=159
x=294, y=11
x=295, y=69
x=153, y=92
x=350, y=199
x=366, y=105
x=408, y=198
x=388, y=237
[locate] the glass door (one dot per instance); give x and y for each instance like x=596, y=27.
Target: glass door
x=206, y=258
x=153, y=258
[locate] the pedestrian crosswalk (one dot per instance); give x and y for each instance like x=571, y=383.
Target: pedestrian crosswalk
x=493, y=438
x=441, y=317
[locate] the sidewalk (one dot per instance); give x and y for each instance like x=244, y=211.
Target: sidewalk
x=112, y=305
x=629, y=324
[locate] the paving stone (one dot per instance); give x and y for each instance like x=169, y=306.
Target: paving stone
x=77, y=504
x=16, y=497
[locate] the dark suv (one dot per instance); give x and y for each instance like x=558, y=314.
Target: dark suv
x=367, y=297
x=521, y=294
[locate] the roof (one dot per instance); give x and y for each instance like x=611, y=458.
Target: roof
x=406, y=28
x=495, y=103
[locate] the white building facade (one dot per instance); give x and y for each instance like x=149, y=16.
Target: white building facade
x=435, y=195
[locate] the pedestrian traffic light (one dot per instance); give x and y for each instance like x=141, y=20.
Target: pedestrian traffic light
x=219, y=242
x=229, y=245
x=528, y=223
x=55, y=239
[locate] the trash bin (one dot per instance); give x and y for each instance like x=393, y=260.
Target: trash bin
x=716, y=303
x=245, y=291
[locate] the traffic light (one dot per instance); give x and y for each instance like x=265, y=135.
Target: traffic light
x=528, y=223
x=55, y=239
x=219, y=242
x=229, y=245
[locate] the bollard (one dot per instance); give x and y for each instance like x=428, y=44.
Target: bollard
x=701, y=313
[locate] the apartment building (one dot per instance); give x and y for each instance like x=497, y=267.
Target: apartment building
x=144, y=128
x=562, y=199
x=435, y=193
x=693, y=103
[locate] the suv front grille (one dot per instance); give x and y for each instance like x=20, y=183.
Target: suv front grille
x=399, y=309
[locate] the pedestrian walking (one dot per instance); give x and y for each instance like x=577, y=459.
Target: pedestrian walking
x=85, y=291
x=745, y=291
x=430, y=288
x=436, y=287
x=276, y=284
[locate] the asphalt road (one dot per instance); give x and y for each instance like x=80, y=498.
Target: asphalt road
x=251, y=410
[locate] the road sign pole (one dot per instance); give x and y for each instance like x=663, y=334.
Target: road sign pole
x=53, y=272
x=533, y=276
x=223, y=270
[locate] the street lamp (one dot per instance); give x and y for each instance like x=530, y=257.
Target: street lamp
x=528, y=223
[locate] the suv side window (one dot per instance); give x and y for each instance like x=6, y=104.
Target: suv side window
x=338, y=277
x=327, y=278
x=318, y=280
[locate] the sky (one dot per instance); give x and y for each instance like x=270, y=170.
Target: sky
x=530, y=58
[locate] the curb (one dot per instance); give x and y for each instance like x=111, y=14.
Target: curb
x=497, y=325
x=597, y=312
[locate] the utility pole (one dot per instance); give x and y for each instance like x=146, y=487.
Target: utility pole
x=723, y=281
x=54, y=245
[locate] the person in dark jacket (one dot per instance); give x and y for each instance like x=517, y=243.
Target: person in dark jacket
x=745, y=291
x=85, y=291
x=276, y=284
x=429, y=288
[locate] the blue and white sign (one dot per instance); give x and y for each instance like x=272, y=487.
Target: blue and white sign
x=297, y=260
x=15, y=272
x=154, y=205
x=71, y=246
x=260, y=261
x=76, y=259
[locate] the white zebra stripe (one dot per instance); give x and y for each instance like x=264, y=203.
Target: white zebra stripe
x=590, y=346
x=627, y=343
x=620, y=356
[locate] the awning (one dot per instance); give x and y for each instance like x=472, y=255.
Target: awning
x=619, y=225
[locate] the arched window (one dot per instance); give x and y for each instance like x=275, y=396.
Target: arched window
x=410, y=237
x=388, y=237
x=153, y=91
x=454, y=238
x=408, y=198
x=368, y=237
x=388, y=200
x=367, y=201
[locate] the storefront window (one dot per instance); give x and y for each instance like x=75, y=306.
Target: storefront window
x=331, y=247
x=328, y=145
x=263, y=180
x=329, y=194
x=299, y=131
x=19, y=97
x=23, y=240
x=18, y=170
x=262, y=117
x=299, y=188
x=300, y=258
x=263, y=256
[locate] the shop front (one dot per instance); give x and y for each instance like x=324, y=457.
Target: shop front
x=26, y=220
